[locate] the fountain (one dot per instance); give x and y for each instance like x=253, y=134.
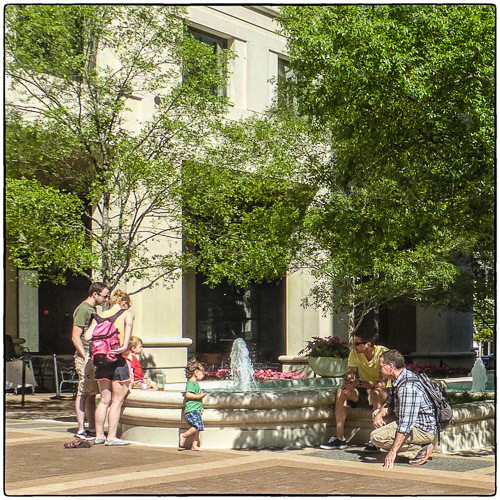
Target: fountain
x=239, y=413
x=479, y=376
x=278, y=414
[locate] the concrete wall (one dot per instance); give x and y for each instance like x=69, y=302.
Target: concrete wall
x=302, y=324
x=11, y=300
x=252, y=36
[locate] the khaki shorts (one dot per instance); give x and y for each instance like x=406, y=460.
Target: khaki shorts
x=86, y=376
x=384, y=437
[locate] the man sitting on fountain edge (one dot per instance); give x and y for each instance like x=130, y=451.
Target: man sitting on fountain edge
x=364, y=362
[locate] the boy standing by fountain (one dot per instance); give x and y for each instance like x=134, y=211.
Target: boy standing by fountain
x=194, y=405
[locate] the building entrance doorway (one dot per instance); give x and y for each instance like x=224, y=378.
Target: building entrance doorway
x=227, y=312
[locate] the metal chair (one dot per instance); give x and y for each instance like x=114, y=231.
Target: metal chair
x=30, y=380
x=68, y=374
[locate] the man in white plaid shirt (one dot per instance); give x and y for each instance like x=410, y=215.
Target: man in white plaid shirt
x=412, y=432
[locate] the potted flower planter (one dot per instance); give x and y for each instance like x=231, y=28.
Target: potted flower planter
x=327, y=356
x=328, y=366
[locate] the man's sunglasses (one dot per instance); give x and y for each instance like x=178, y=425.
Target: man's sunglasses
x=103, y=296
x=360, y=343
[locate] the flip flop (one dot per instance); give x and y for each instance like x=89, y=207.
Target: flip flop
x=78, y=443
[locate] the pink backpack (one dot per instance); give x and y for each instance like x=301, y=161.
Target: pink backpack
x=104, y=339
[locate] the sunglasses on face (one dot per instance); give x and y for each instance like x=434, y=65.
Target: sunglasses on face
x=103, y=296
x=359, y=343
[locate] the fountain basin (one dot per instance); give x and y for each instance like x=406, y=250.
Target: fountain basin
x=473, y=426
x=292, y=415
x=298, y=415
x=465, y=383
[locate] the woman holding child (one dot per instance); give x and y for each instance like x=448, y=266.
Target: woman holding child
x=113, y=378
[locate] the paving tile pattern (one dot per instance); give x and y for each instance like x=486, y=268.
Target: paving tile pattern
x=292, y=480
x=36, y=463
x=434, y=463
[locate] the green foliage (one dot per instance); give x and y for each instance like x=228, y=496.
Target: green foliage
x=469, y=397
x=328, y=347
x=240, y=227
x=46, y=153
x=44, y=229
x=50, y=39
x=98, y=104
x=484, y=335
x=407, y=93
x=242, y=216
x=392, y=132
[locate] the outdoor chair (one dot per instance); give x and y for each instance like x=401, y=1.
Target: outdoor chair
x=68, y=375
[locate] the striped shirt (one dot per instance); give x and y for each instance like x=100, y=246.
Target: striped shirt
x=412, y=405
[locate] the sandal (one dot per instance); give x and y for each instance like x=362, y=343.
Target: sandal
x=78, y=443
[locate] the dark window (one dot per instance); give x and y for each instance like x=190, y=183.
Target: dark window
x=227, y=312
x=398, y=326
x=56, y=304
x=217, y=43
x=286, y=76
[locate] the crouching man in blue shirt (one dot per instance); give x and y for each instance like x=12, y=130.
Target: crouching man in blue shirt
x=413, y=426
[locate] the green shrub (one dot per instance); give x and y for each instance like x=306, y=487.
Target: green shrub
x=468, y=397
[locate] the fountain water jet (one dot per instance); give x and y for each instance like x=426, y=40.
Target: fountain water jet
x=479, y=376
x=242, y=370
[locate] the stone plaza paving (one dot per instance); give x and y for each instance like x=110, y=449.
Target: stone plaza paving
x=37, y=464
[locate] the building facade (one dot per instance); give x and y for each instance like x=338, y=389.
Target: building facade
x=190, y=318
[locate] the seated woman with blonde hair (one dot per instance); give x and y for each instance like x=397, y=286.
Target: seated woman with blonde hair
x=113, y=377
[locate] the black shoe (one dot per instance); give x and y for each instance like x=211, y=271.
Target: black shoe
x=334, y=443
x=370, y=448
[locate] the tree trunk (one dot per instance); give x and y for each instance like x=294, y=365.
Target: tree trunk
x=105, y=258
x=351, y=323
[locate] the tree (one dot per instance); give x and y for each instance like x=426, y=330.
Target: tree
x=44, y=229
x=408, y=92
x=241, y=208
x=365, y=247
x=397, y=103
x=77, y=73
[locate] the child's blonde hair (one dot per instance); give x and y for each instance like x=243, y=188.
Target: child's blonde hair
x=120, y=296
x=134, y=342
x=193, y=364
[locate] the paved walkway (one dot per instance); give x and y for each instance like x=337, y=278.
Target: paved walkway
x=37, y=464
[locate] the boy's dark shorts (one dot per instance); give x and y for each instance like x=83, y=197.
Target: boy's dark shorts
x=363, y=401
x=194, y=419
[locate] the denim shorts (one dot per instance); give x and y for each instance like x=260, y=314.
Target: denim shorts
x=194, y=419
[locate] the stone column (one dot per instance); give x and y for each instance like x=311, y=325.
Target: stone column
x=28, y=310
